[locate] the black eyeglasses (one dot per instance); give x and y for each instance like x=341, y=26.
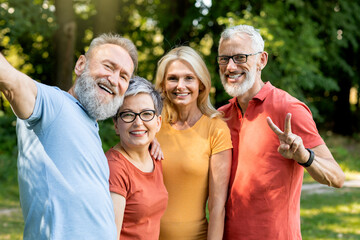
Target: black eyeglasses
x=129, y=116
x=238, y=58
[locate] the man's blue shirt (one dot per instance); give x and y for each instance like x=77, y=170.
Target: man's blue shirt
x=63, y=172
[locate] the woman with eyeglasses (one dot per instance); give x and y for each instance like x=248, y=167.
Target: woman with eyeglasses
x=197, y=147
x=136, y=181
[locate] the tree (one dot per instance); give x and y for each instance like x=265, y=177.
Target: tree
x=65, y=43
x=338, y=29
x=312, y=45
x=105, y=20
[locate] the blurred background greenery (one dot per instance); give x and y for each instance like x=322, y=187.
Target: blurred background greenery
x=313, y=45
x=313, y=48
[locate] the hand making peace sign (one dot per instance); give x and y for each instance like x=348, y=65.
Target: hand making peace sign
x=291, y=145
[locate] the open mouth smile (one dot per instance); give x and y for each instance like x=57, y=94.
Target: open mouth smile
x=234, y=76
x=105, y=88
x=138, y=133
x=181, y=94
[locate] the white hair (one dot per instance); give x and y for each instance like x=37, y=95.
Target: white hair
x=257, y=40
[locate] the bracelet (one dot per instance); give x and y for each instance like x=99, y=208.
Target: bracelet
x=310, y=160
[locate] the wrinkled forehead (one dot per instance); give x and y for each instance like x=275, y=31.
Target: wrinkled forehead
x=113, y=53
x=236, y=44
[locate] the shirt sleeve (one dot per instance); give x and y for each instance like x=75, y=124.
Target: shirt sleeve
x=303, y=125
x=220, y=138
x=119, y=179
x=48, y=104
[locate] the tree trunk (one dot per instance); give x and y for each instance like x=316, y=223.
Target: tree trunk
x=65, y=43
x=177, y=30
x=105, y=20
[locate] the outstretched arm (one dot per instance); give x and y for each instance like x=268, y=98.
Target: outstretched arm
x=19, y=89
x=220, y=164
x=324, y=169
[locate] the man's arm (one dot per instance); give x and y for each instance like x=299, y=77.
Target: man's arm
x=323, y=169
x=19, y=89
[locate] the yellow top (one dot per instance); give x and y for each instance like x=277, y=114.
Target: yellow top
x=185, y=169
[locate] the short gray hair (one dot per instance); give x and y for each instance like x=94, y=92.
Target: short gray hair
x=257, y=40
x=116, y=39
x=141, y=85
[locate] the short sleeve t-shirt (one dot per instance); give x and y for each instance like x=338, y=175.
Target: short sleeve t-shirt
x=62, y=171
x=145, y=194
x=186, y=161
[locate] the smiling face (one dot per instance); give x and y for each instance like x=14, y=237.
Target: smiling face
x=238, y=79
x=103, y=79
x=181, y=84
x=137, y=133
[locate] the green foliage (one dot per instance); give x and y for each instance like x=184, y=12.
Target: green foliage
x=23, y=18
x=29, y=26
x=107, y=134
x=8, y=149
x=313, y=46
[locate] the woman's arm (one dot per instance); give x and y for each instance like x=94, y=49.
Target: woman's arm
x=220, y=165
x=119, y=209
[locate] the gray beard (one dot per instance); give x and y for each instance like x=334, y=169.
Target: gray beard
x=239, y=89
x=95, y=104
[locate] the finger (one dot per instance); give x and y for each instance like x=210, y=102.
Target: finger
x=283, y=148
x=287, y=128
x=295, y=145
x=156, y=154
x=154, y=147
x=289, y=139
x=275, y=128
x=161, y=155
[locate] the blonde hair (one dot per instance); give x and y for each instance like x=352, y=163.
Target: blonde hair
x=190, y=56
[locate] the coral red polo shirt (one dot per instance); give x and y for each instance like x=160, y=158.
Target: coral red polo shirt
x=264, y=197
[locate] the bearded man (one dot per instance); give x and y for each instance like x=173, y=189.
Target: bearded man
x=62, y=170
x=268, y=163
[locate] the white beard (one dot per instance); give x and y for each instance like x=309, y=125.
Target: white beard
x=239, y=89
x=96, y=105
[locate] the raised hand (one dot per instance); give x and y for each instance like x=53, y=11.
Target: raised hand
x=155, y=150
x=291, y=145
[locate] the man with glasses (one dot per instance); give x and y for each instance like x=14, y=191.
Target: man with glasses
x=274, y=138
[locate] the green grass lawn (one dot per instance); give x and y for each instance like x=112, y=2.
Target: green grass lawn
x=334, y=215
x=11, y=225
x=11, y=221
x=326, y=216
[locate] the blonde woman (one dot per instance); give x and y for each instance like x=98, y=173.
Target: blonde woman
x=197, y=148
